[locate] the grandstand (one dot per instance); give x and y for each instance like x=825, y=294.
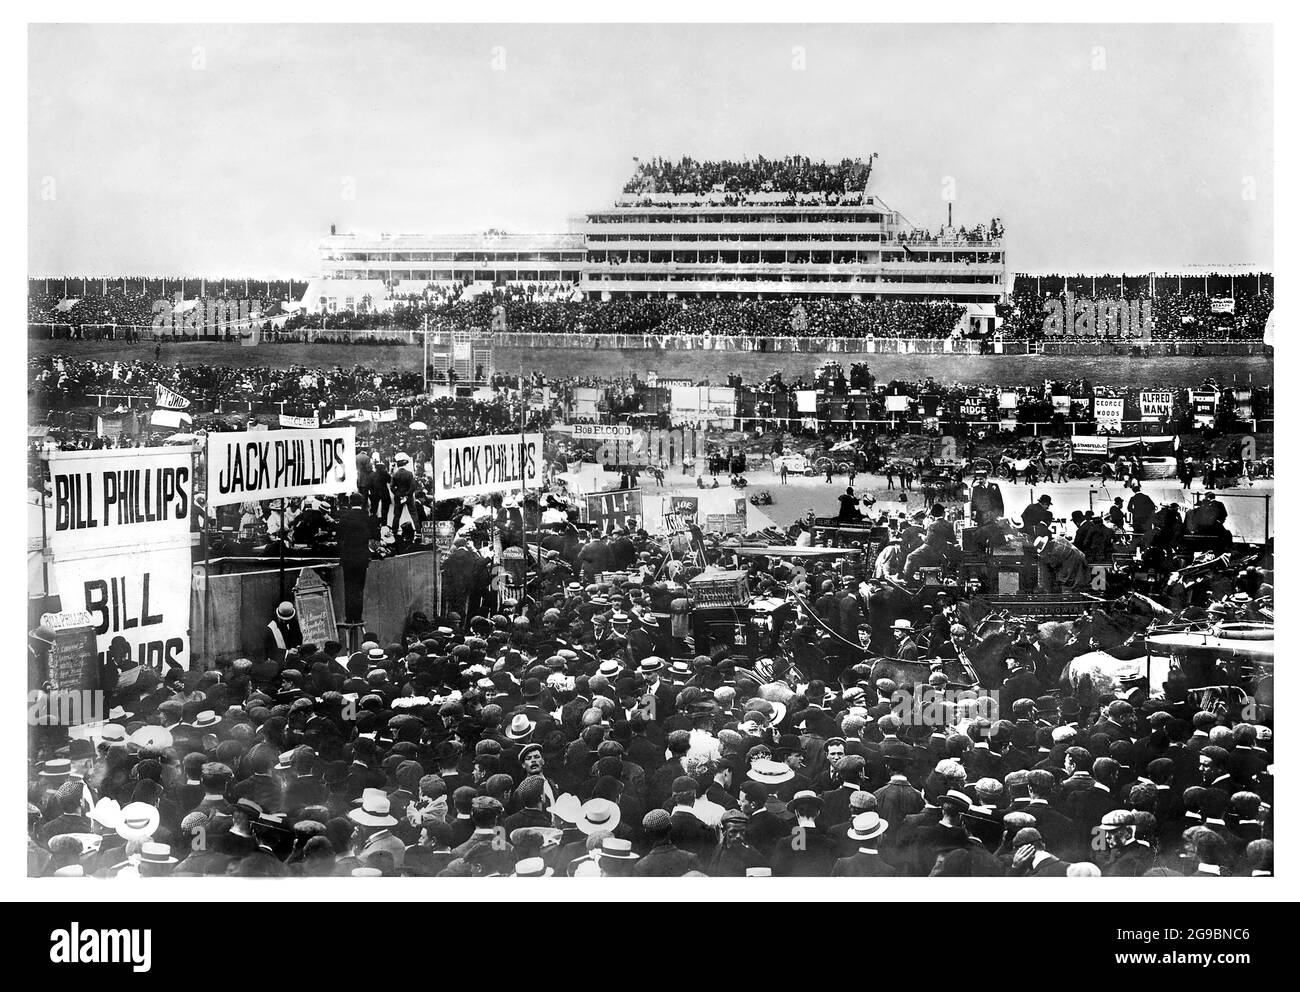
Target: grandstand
x=770, y=248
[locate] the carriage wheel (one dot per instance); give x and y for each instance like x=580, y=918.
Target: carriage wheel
x=1003, y=471
x=1072, y=471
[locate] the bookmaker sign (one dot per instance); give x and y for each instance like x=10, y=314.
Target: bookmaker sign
x=255, y=465
x=118, y=498
x=474, y=466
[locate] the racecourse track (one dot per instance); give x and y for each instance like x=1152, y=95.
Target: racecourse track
x=1008, y=370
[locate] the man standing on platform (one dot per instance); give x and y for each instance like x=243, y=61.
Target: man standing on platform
x=353, y=533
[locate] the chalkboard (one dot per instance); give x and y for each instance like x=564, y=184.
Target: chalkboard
x=315, y=605
x=73, y=665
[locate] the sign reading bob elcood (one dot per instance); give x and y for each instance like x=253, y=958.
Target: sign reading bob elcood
x=474, y=466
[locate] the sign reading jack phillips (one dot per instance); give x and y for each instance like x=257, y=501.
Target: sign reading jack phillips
x=474, y=466
x=244, y=466
x=118, y=498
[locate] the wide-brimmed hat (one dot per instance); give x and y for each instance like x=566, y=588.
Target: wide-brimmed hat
x=521, y=728
x=112, y=735
x=868, y=826
x=151, y=738
x=374, y=811
x=770, y=772
x=138, y=821
x=566, y=807
x=106, y=812
x=599, y=814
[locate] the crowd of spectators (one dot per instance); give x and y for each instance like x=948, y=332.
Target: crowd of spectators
x=1186, y=316
x=557, y=309
x=792, y=174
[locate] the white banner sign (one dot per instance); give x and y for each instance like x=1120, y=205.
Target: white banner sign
x=897, y=404
x=139, y=603
x=805, y=400
x=1157, y=404
x=602, y=432
x=175, y=419
x=299, y=423
x=118, y=498
x=473, y=466
x=1090, y=445
x=1108, y=412
x=244, y=466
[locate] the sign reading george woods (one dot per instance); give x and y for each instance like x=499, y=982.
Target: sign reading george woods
x=474, y=466
x=244, y=466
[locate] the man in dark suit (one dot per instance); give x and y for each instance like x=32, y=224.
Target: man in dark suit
x=986, y=500
x=1032, y=859
x=353, y=533
x=866, y=831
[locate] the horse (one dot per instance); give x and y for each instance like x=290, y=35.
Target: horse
x=988, y=657
x=1094, y=677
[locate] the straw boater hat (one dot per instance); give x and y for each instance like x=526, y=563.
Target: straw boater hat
x=616, y=849
x=598, y=814
x=770, y=772
x=867, y=826
x=156, y=854
x=902, y=624
x=56, y=768
x=203, y=720
x=651, y=665
x=533, y=868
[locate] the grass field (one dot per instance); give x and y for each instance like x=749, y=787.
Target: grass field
x=1008, y=370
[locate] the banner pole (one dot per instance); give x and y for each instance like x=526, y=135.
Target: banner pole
x=194, y=455
x=284, y=538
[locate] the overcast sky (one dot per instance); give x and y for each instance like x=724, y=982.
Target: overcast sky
x=230, y=150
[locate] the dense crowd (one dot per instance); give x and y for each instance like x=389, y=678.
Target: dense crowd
x=1185, y=317
x=561, y=726
x=551, y=310
x=792, y=174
